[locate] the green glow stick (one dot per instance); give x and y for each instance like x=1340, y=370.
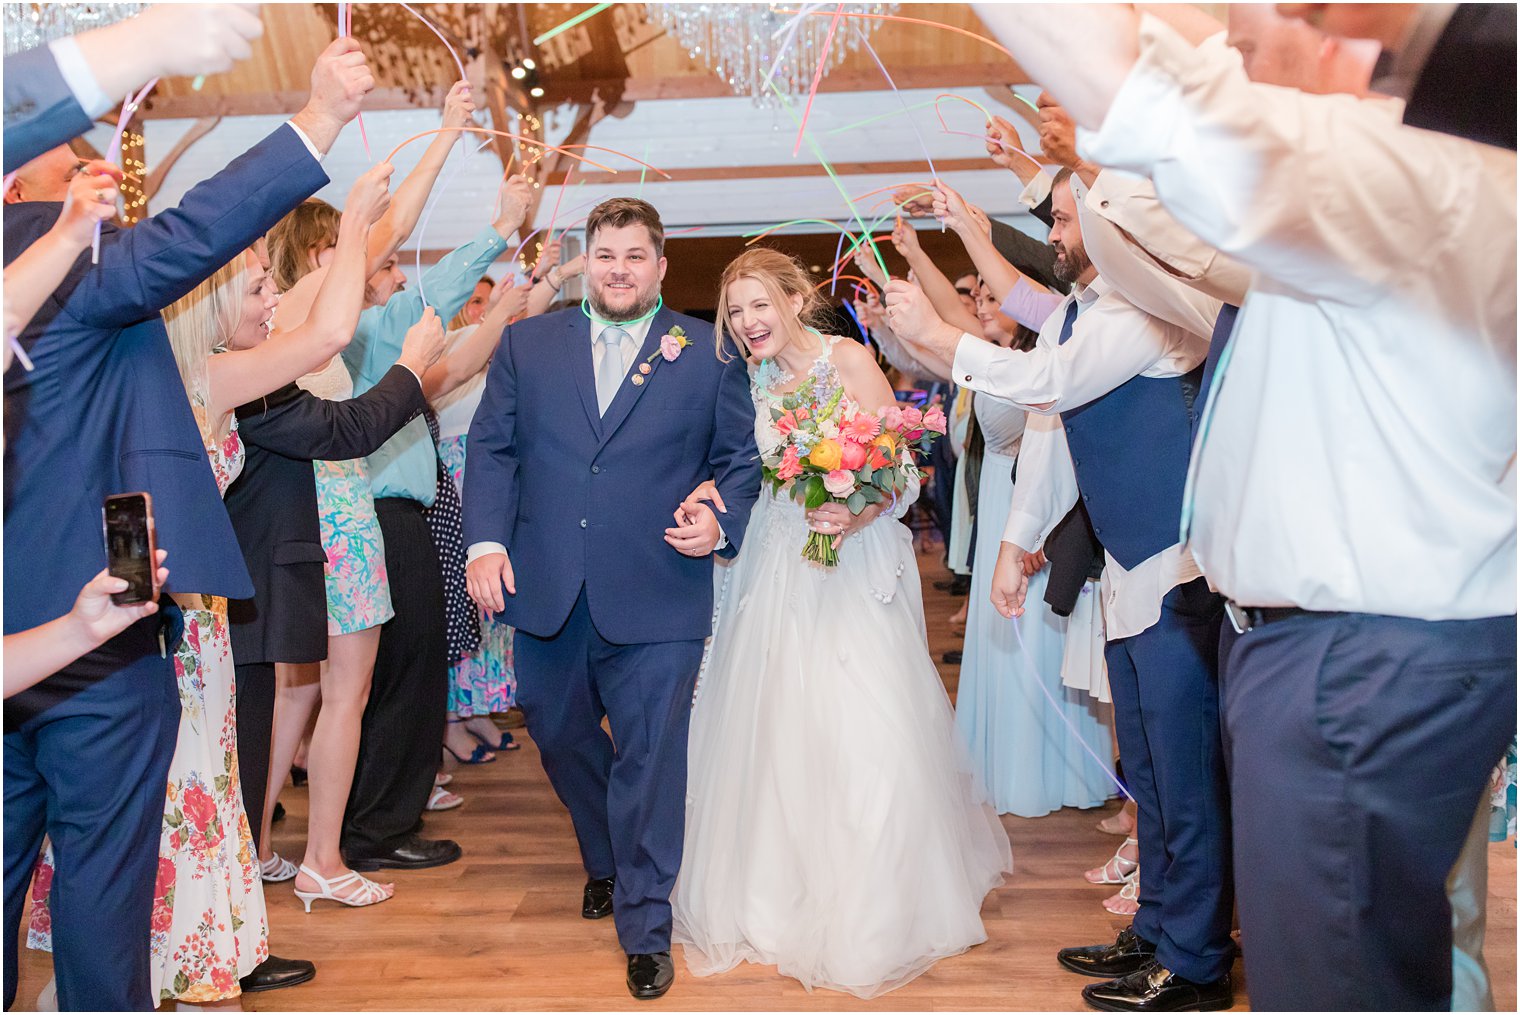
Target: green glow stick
x=881, y=116
x=582, y=16
x=818, y=154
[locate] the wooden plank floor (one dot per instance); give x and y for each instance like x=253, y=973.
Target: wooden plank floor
x=500, y=929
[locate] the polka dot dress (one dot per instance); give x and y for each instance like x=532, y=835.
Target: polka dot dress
x=445, y=520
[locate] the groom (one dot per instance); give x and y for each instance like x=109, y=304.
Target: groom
x=595, y=424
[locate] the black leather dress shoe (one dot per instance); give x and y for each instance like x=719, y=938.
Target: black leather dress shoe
x=1128, y=953
x=650, y=976
x=596, y=901
x=1156, y=988
x=275, y=972
x=413, y=853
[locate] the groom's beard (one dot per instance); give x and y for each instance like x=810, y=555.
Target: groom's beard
x=645, y=304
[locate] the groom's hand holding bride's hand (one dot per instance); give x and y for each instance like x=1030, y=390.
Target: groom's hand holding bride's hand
x=697, y=532
x=484, y=579
x=1010, y=581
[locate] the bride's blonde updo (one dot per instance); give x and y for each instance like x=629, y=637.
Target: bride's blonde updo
x=783, y=277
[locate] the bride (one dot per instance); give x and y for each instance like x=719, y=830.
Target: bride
x=833, y=828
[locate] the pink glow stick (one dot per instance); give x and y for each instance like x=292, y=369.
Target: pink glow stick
x=823, y=61
x=432, y=28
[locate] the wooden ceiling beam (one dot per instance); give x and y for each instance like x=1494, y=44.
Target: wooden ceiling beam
x=708, y=86
x=907, y=168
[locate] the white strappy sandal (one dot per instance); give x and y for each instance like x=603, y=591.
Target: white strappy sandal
x=365, y=893
x=1119, y=867
x=276, y=869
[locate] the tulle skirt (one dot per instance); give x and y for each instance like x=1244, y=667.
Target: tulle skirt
x=834, y=828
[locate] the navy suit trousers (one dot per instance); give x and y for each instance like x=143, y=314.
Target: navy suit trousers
x=105, y=832
x=627, y=794
x=1165, y=687
x=1360, y=746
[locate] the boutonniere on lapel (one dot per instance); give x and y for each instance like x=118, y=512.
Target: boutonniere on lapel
x=671, y=344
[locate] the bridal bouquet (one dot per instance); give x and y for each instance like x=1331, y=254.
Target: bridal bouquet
x=830, y=450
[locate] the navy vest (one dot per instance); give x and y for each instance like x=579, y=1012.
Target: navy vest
x=1130, y=448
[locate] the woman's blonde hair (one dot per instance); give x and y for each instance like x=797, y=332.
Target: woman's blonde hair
x=203, y=321
x=313, y=225
x=783, y=277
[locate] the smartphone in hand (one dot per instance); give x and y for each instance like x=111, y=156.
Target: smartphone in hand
x=131, y=547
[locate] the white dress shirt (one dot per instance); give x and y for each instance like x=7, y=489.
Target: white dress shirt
x=1111, y=342
x=1357, y=449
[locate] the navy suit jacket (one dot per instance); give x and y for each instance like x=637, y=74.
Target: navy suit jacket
x=105, y=410
x=40, y=111
x=582, y=500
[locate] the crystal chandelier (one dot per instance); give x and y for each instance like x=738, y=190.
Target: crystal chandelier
x=29, y=25
x=738, y=41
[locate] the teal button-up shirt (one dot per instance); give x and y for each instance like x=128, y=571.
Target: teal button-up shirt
x=407, y=464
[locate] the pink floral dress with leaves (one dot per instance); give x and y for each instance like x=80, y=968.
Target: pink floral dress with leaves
x=209, y=927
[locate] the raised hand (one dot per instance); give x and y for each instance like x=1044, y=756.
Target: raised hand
x=458, y=107
x=1006, y=149
x=1010, y=583
x=913, y=200
x=1058, y=133
x=905, y=240
x=868, y=266
x=91, y=199
x=370, y=195
x=423, y=343
x=340, y=80
x=516, y=195
x=486, y=577
x=548, y=257
x=913, y=320
x=952, y=209
x=191, y=39
x=573, y=267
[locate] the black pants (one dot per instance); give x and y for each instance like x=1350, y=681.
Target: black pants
x=1359, y=748
x=255, y=719
x=402, y=732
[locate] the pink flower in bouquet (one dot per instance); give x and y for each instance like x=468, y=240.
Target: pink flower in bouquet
x=877, y=457
x=892, y=418
x=839, y=483
x=803, y=414
x=934, y=420
x=791, y=465
x=851, y=455
x=862, y=427
x=912, y=419
x=786, y=424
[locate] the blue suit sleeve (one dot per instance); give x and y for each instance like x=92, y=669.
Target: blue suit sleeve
x=40, y=110
x=147, y=267
x=734, y=458
x=490, y=467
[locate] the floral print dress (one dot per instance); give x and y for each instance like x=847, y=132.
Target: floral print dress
x=209, y=926
x=358, y=591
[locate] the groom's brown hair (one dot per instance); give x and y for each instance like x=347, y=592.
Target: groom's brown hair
x=626, y=211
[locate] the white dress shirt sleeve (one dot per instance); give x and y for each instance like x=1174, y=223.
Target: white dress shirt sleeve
x=480, y=550
x=76, y=73
x=305, y=140
x=1110, y=343
x=1130, y=203
x=1142, y=281
x=1036, y=190
x=1328, y=195
x=1045, y=487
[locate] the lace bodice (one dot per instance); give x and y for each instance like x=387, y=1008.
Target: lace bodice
x=826, y=380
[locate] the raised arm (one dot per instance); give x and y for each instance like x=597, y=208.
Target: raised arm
x=242, y=375
x=974, y=231
x=940, y=290
x=33, y=276
x=471, y=352
x=552, y=282
x=412, y=193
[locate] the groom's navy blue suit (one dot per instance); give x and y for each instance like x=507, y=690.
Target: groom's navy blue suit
x=610, y=618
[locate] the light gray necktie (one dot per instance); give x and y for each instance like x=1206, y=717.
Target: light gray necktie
x=609, y=376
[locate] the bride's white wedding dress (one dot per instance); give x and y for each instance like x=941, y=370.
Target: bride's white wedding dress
x=833, y=826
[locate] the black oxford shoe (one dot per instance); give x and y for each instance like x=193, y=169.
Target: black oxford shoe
x=596, y=901
x=1128, y=953
x=275, y=972
x=413, y=853
x=1157, y=988
x=650, y=976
